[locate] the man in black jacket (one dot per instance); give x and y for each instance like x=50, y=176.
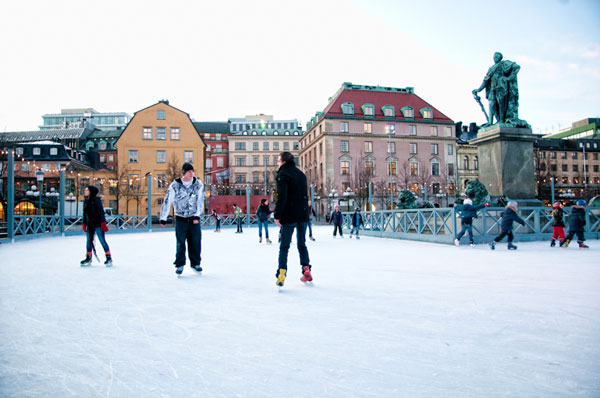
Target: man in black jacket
x=291, y=212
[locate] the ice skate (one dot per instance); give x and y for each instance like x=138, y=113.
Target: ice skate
x=259, y=240
x=306, y=275
x=552, y=243
x=492, y=245
x=269, y=241
x=311, y=238
x=583, y=245
x=196, y=268
x=472, y=244
x=511, y=246
x=179, y=270
x=108, y=262
x=456, y=242
x=280, y=277
x=566, y=243
x=86, y=262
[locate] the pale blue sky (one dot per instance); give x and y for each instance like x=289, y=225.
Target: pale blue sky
x=230, y=59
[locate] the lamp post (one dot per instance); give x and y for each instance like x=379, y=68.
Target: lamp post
x=39, y=175
x=390, y=130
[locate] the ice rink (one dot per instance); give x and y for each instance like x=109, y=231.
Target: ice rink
x=384, y=318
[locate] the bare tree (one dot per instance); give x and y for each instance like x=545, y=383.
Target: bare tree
x=173, y=169
x=404, y=176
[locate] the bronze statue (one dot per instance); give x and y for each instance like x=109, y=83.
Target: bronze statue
x=502, y=92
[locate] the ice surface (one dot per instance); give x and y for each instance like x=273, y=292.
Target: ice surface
x=385, y=318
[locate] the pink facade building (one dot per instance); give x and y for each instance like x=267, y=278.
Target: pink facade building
x=386, y=137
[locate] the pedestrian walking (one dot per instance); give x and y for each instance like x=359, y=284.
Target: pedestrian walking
x=356, y=221
x=262, y=213
x=576, y=224
x=468, y=212
x=291, y=213
x=186, y=194
x=508, y=217
x=336, y=219
x=94, y=223
x=558, y=225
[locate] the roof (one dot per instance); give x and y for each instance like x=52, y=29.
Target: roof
x=58, y=134
x=212, y=127
x=379, y=97
x=555, y=144
x=106, y=133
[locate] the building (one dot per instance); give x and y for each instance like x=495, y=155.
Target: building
x=467, y=157
x=155, y=143
x=71, y=118
x=587, y=128
x=103, y=142
x=72, y=137
x=385, y=136
x=573, y=165
x=254, y=147
x=216, y=156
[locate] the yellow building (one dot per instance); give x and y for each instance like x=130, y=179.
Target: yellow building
x=157, y=140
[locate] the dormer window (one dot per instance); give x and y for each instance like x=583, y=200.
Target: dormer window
x=53, y=151
x=348, y=108
x=427, y=113
x=368, y=110
x=388, y=111
x=408, y=112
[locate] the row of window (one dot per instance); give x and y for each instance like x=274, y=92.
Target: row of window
x=390, y=128
x=392, y=167
x=161, y=133
x=268, y=125
x=563, y=155
x=161, y=156
x=241, y=146
x=36, y=151
x=368, y=110
x=578, y=180
x=256, y=160
x=391, y=147
x=574, y=168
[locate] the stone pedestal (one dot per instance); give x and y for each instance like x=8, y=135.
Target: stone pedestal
x=506, y=161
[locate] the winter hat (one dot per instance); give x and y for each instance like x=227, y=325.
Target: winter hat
x=186, y=167
x=262, y=201
x=93, y=190
x=581, y=202
x=513, y=204
x=357, y=209
x=468, y=202
x=556, y=205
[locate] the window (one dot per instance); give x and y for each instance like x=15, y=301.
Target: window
x=296, y=146
x=160, y=115
x=175, y=133
x=161, y=181
x=542, y=155
x=286, y=146
x=427, y=113
x=414, y=167
x=161, y=156
x=412, y=148
x=408, y=112
x=565, y=167
x=219, y=162
x=276, y=146
x=575, y=168
x=412, y=130
x=240, y=178
x=266, y=145
x=348, y=108
x=256, y=176
x=391, y=146
x=368, y=146
x=133, y=156
x=256, y=160
x=102, y=146
x=565, y=180
x=240, y=146
x=368, y=127
x=434, y=149
x=574, y=155
x=254, y=146
x=475, y=163
x=19, y=150
x=595, y=156
x=466, y=162
x=575, y=180
x=54, y=151
x=450, y=169
x=553, y=167
x=240, y=160
x=596, y=168
x=345, y=167
x=388, y=111
x=134, y=181
x=450, y=149
x=266, y=160
x=344, y=127
x=102, y=159
x=553, y=155
x=345, y=147
x=434, y=131
x=447, y=132
x=368, y=110
x=110, y=158
x=188, y=156
x=161, y=133
x=391, y=167
x=146, y=133
x=37, y=151
x=369, y=167
x=435, y=168
x=208, y=163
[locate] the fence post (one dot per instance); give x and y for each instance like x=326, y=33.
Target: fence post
x=370, y=196
x=537, y=220
x=248, y=205
x=10, y=212
x=149, y=182
x=454, y=221
x=61, y=209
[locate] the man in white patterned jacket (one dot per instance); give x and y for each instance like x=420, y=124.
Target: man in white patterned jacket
x=186, y=194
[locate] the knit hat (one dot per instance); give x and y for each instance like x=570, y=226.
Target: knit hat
x=513, y=204
x=556, y=205
x=186, y=167
x=468, y=202
x=581, y=202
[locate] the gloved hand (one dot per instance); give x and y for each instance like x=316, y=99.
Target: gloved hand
x=163, y=222
x=104, y=227
x=486, y=204
x=84, y=227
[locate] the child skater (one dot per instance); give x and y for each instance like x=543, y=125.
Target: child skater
x=467, y=212
x=217, y=220
x=94, y=222
x=558, y=225
x=508, y=217
x=357, y=221
x=576, y=224
x=337, y=220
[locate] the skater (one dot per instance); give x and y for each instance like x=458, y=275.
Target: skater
x=558, y=225
x=311, y=213
x=356, y=221
x=576, y=224
x=508, y=217
x=291, y=212
x=94, y=222
x=186, y=194
x=239, y=216
x=217, y=220
x=337, y=219
x=467, y=212
x=263, y=212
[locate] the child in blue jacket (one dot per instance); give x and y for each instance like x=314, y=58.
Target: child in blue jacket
x=508, y=217
x=467, y=212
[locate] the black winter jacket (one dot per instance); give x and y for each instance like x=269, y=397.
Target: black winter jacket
x=357, y=220
x=577, y=219
x=557, y=218
x=508, y=216
x=93, y=211
x=292, y=198
x=263, y=212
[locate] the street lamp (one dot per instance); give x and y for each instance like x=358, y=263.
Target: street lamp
x=348, y=194
x=390, y=130
x=39, y=175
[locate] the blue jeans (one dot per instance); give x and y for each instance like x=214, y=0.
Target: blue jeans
x=466, y=227
x=310, y=228
x=354, y=229
x=287, y=230
x=101, y=238
x=260, y=227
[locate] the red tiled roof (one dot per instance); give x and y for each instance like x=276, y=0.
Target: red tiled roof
x=379, y=99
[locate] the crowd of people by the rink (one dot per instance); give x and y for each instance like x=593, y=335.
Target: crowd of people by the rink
x=293, y=211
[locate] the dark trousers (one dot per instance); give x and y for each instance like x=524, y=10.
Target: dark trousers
x=218, y=228
x=90, y=239
x=287, y=230
x=239, y=224
x=337, y=227
x=503, y=234
x=467, y=226
x=186, y=230
x=580, y=237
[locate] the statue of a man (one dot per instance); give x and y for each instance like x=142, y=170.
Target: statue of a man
x=502, y=91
